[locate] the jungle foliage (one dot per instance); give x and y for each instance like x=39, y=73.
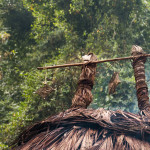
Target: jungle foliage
x=37, y=33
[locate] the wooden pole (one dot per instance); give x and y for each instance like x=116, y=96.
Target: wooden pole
x=93, y=62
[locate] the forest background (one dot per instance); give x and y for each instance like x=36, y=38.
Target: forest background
x=37, y=33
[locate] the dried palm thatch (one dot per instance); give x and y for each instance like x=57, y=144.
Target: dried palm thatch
x=79, y=128
x=139, y=73
x=114, y=81
x=83, y=96
x=88, y=129
x=44, y=91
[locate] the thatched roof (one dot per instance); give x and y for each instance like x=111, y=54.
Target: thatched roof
x=88, y=129
x=79, y=128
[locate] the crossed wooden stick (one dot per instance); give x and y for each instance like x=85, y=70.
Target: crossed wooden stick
x=93, y=62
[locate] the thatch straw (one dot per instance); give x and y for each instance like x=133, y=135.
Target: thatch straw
x=83, y=96
x=88, y=129
x=139, y=73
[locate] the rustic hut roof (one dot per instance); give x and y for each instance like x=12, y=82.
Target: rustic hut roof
x=81, y=128
x=88, y=129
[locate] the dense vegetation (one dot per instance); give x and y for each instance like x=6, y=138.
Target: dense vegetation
x=37, y=33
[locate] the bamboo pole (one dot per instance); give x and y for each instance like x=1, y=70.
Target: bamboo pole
x=94, y=62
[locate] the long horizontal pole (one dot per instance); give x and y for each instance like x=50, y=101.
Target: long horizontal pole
x=94, y=62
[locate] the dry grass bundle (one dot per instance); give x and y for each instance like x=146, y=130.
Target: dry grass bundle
x=114, y=81
x=88, y=129
x=44, y=91
x=79, y=128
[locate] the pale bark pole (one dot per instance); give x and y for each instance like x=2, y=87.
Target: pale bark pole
x=83, y=96
x=139, y=73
